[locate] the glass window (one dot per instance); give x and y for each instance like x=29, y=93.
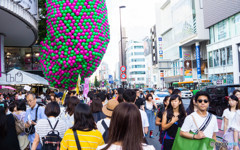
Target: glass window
x=222, y=30
x=138, y=53
x=212, y=35
x=229, y=55
x=216, y=58
x=138, y=60
x=36, y=64
x=138, y=47
x=138, y=66
x=222, y=57
x=131, y=53
x=140, y=79
x=210, y=59
x=237, y=24
x=137, y=72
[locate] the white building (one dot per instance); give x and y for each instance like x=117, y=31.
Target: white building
x=181, y=26
x=136, y=64
x=224, y=47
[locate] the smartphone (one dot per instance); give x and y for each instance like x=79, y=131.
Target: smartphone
x=29, y=119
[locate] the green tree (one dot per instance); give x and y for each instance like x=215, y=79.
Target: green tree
x=42, y=22
x=96, y=82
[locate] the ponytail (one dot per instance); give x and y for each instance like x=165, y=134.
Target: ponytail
x=3, y=120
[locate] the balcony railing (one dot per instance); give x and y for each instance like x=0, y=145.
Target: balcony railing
x=19, y=11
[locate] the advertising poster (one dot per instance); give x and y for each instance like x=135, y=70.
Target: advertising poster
x=187, y=66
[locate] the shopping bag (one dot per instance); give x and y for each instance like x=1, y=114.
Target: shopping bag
x=181, y=143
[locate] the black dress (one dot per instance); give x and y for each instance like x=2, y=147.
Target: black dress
x=10, y=141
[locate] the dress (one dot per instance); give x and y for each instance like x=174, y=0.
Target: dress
x=151, y=117
x=170, y=134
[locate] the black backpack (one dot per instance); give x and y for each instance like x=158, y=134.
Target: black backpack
x=52, y=140
x=105, y=134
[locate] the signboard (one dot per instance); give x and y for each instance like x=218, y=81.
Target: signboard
x=123, y=68
x=27, y=88
x=198, y=62
x=123, y=76
x=29, y=5
x=187, y=66
x=146, y=46
x=86, y=87
x=160, y=51
x=110, y=79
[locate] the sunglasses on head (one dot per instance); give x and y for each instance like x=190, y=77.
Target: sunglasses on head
x=201, y=100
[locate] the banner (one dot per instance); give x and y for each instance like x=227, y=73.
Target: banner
x=86, y=87
x=187, y=66
x=78, y=84
x=199, y=76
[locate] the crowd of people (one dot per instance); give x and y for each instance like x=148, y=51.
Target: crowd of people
x=111, y=120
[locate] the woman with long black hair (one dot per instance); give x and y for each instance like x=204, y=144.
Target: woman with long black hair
x=125, y=131
x=192, y=107
x=8, y=134
x=173, y=118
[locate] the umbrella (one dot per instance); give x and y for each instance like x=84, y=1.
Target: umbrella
x=8, y=87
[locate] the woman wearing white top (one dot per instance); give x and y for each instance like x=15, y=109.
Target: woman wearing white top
x=236, y=126
x=229, y=113
x=125, y=131
x=68, y=114
x=150, y=108
x=43, y=126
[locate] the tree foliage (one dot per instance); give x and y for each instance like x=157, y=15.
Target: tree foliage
x=42, y=22
x=96, y=82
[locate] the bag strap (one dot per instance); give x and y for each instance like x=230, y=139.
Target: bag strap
x=104, y=125
x=36, y=113
x=204, y=125
x=76, y=139
x=54, y=125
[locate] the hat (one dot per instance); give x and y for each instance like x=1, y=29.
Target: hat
x=109, y=107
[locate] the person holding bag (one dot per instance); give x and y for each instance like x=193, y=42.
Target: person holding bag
x=202, y=124
x=173, y=118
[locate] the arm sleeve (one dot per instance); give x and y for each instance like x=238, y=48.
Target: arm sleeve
x=145, y=120
x=236, y=121
x=186, y=127
x=64, y=143
x=225, y=114
x=215, y=125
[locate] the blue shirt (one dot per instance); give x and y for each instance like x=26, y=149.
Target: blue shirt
x=40, y=115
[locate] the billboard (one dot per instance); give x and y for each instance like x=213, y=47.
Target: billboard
x=146, y=46
x=187, y=66
x=30, y=5
x=160, y=50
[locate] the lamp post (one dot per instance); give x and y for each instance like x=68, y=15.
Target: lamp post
x=120, y=7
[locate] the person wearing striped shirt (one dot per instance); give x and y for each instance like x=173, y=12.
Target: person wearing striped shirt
x=88, y=135
x=43, y=127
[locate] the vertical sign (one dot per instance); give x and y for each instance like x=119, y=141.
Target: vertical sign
x=198, y=61
x=86, y=87
x=160, y=51
x=187, y=66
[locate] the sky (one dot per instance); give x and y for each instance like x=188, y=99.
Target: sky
x=138, y=17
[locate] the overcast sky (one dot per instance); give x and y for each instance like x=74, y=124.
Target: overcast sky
x=138, y=17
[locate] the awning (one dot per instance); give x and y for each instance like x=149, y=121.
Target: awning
x=19, y=77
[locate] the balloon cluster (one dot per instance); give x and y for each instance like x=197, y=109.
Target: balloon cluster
x=77, y=38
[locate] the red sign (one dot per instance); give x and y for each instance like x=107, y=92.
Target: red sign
x=123, y=76
x=123, y=68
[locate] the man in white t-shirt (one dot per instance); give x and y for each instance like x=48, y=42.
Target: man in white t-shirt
x=129, y=96
x=207, y=128
x=104, y=124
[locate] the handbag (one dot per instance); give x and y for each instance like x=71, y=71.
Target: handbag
x=76, y=139
x=19, y=125
x=31, y=129
x=181, y=143
x=228, y=138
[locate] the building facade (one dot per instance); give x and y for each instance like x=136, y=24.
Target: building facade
x=184, y=39
x=223, y=51
x=136, y=64
x=18, y=32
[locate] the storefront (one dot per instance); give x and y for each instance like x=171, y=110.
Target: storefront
x=23, y=58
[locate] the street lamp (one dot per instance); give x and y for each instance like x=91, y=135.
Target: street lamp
x=120, y=7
